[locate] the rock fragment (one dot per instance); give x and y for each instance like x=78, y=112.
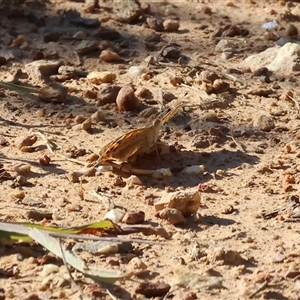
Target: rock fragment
x=186, y=202
x=53, y=92
x=104, y=247
x=155, y=24
x=173, y=216
x=109, y=56
x=264, y=122
x=171, y=25
x=101, y=77
x=86, y=47
x=134, y=217
x=127, y=10
x=126, y=99
x=276, y=59
x=40, y=68
x=28, y=140
x=153, y=289
x=108, y=93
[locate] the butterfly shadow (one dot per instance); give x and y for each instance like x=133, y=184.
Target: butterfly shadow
x=179, y=162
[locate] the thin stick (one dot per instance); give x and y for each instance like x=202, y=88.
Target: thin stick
x=109, y=204
x=110, y=294
x=45, y=140
x=295, y=102
x=83, y=296
x=239, y=145
x=260, y=288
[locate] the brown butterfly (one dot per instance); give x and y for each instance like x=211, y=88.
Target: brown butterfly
x=135, y=141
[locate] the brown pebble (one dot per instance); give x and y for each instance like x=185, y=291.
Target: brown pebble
x=19, y=195
x=155, y=24
x=228, y=210
x=97, y=116
x=264, y=122
x=208, y=76
x=146, y=76
x=45, y=160
x=175, y=80
x=207, y=87
x=185, y=296
x=18, y=41
x=119, y=182
x=134, y=217
x=206, y=10
x=171, y=25
x=173, y=216
x=73, y=177
x=87, y=124
x=94, y=290
x=126, y=99
x=109, y=56
x=40, y=113
x=291, y=30
x=143, y=93
x=290, y=179
x=90, y=94
x=25, y=141
x=27, y=149
x=220, y=86
x=79, y=119
x=108, y=93
x=152, y=289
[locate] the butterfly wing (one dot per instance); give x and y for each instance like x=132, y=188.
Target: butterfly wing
x=125, y=146
x=171, y=113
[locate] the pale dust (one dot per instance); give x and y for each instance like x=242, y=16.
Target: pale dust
x=248, y=182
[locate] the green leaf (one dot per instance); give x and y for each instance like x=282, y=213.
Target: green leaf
x=53, y=245
x=18, y=88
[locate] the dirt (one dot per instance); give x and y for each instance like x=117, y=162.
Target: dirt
x=245, y=236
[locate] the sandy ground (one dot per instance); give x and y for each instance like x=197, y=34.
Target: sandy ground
x=246, y=233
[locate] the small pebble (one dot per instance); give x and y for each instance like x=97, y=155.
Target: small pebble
x=18, y=41
x=152, y=289
x=173, y=216
x=49, y=269
x=264, y=122
x=40, y=113
x=133, y=180
x=126, y=99
x=79, y=35
x=143, y=93
x=155, y=24
x=96, y=77
x=115, y=215
x=195, y=169
x=45, y=160
x=133, y=217
x=19, y=195
x=171, y=25
x=137, y=71
x=87, y=124
x=291, y=30
x=220, y=86
x=22, y=141
x=109, y=56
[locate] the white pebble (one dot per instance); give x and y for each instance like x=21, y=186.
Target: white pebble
x=49, y=269
x=137, y=70
x=195, y=169
x=164, y=172
x=102, y=169
x=115, y=215
x=133, y=180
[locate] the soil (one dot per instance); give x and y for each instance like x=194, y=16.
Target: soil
x=245, y=235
